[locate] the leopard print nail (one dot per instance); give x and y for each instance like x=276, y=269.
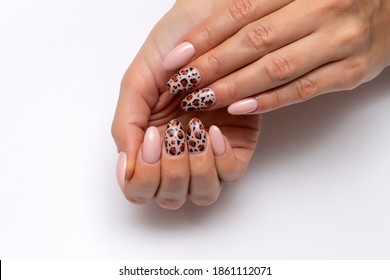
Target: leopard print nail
x=196, y=136
x=184, y=80
x=199, y=100
x=174, y=140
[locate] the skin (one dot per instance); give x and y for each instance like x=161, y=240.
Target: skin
x=144, y=102
x=283, y=52
x=276, y=52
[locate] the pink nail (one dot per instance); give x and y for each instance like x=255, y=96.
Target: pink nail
x=217, y=140
x=121, y=169
x=152, y=145
x=242, y=107
x=179, y=56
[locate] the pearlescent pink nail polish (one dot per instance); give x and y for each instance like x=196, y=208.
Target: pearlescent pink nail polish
x=121, y=169
x=179, y=56
x=217, y=141
x=151, y=150
x=243, y=107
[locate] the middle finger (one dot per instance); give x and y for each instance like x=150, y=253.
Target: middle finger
x=175, y=173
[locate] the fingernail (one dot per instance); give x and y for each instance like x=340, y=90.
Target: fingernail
x=242, y=107
x=184, y=80
x=199, y=100
x=196, y=136
x=217, y=140
x=121, y=169
x=179, y=56
x=152, y=146
x=174, y=140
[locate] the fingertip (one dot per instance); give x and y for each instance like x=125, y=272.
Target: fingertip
x=243, y=107
x=217, y=140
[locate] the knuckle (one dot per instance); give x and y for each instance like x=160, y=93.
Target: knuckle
x=275, y=99
x=214, y=64
x=231, y=89
x=355, y=34
x=357, y=72
x=305, y=88
x=115, y=131
x=205, y=36
x=169, y=203
x=242, y=10
x=199, y=172
x=259, y=36
x=336, y=6
x=174, y=175
x=279, y=69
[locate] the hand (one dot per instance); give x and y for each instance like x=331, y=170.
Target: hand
x=276, y=53
x=144, y=102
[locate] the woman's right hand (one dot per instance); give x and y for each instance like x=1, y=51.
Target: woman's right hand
x=257, y=56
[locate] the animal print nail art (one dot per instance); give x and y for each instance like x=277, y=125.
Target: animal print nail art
x=196, y=136
x=174, y=140
x=199, y=100
x=184, y=80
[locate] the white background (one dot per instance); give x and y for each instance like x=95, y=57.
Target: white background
x=318, y=186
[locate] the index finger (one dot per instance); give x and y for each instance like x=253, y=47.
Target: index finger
x=215, y=29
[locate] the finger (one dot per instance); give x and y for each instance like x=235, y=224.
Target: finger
x=175, y=173
x=250, y=44
x=221, y=25
x=230, y=165
x=273, y=70
x=141, y=188
x=131, y=117
x=205, y=186
x=336, y=76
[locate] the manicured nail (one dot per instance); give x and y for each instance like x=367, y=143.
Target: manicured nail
x=121, y=169
x=243, y=107
x=217, y=140
x=183, y=81
x=174, y=141
x=199, y=100
x=151, y=150
x=179, y=56
x=196, y=136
